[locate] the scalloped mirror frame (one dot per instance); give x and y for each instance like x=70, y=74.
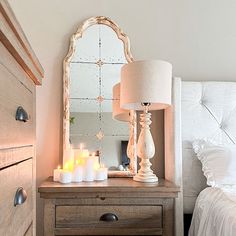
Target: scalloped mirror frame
x=66, y=79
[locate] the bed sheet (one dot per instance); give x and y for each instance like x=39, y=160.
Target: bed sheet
x=215, y=212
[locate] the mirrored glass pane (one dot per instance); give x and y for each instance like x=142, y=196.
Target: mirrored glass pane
x=89, y=142
x=110, y=126
x=112, y=48
x=110, y=75
x=84, y=105
x=84, y=80
x=87, y=47
x=111, y=151
x=85, y=117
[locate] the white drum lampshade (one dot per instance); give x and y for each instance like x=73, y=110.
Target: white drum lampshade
x=146, y=85
x=146, y=82
x=117, y=112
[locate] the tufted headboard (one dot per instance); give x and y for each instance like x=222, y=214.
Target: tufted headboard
x=199, y=110
x=208, y=110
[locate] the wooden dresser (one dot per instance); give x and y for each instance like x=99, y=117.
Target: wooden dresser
x=20, y=71
x=118, y=206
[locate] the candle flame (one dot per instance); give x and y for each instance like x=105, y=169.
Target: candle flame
x=59, y=167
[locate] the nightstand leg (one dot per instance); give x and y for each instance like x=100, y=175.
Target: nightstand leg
x=49, y=217
x=168, y=217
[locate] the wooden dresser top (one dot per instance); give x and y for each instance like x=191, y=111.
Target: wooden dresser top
x=15, y=41
x=121, y=185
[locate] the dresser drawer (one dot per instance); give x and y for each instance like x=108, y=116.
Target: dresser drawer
x=15, y=220
x=29, y=231
x=94, y=219
x=13, y=93
x=9, y=156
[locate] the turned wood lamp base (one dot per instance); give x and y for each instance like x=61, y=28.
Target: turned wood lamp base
x=145, y=174
x=146, y=179
x=146, y=150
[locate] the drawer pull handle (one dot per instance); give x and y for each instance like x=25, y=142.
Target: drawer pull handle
x=21, y=114
x=109, y=217
x=20, y=196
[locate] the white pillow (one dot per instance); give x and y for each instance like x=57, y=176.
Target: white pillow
x=218, y=162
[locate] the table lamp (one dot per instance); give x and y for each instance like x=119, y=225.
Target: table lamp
x=146, y=85
x=124, y=115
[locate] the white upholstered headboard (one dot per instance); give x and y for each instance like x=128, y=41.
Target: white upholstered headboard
x=208, y=110
x=200, y=110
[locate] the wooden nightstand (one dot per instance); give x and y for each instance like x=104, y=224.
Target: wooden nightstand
x=118, y=206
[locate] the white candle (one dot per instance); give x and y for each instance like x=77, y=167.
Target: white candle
x=78, y=174
x=96, y=161
x=78, y=153
x=99, y=174
x=88, y=174
x=69, y=166
x=56, y=174
x=65, y=177
x=104, y=170
x=85, y=153
x=68, y=156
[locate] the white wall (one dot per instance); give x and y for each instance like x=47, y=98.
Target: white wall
x=197, y=36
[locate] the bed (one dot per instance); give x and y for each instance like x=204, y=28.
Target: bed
x=201, y=110
x=214, y=213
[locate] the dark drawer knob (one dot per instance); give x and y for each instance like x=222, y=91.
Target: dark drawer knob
x=21, y=114
x=109, y=217
x=20, y=196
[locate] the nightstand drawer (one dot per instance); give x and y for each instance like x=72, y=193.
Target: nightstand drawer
x=129, y=216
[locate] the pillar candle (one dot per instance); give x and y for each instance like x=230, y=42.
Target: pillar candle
x=68, y=156
x=69, y=166
x=85, y=153
x=96, y=161
x=88, y=174
x=104, y=171
x=99, y=174
x=65, y=177
x=77, y=153
x=56, y=174
x=78, y=173
x=80, y=153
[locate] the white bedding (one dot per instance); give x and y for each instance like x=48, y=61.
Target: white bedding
x=215, y=213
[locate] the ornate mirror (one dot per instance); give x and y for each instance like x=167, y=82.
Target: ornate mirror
x=92, y=66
